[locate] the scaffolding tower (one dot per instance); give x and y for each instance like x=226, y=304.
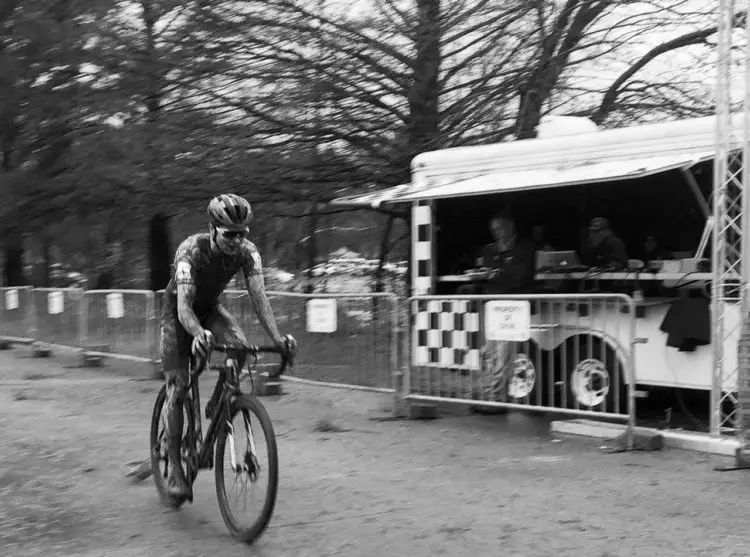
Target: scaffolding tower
x=730, y=211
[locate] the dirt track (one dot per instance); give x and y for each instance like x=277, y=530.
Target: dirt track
x=456, y=486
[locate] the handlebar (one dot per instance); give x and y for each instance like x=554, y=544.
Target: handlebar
x=254, y=350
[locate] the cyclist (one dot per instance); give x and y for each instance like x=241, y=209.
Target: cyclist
x=192, y=317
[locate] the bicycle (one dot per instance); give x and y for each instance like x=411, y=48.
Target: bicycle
x=227, y=401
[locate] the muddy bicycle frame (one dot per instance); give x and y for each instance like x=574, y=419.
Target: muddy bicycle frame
x=230, y=386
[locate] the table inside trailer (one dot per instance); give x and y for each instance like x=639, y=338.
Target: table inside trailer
x=594, y=275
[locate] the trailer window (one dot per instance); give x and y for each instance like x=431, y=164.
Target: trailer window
x=661, y=205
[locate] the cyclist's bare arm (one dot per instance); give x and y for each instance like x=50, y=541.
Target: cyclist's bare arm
x=186, y=298
x=256, y=290
x=185, y=313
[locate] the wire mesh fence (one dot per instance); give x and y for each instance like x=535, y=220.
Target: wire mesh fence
x=575, y=355
x=347, y=338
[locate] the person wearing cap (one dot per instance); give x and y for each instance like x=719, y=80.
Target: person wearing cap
x=602, y=248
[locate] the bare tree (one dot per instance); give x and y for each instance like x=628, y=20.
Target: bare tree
x=44, y=109
x=300, y=101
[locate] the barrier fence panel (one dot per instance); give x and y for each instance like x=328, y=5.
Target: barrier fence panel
x=563, y=353
x=120, y=324
x=347, y=339
x=55, y=313
x=16, y=321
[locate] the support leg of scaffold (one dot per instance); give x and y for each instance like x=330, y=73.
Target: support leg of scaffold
x=741, y=462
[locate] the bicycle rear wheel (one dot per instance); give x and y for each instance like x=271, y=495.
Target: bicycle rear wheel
x=159, y=458
x=247, y=413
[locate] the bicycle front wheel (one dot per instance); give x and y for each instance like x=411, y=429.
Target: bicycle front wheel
x=247, y=460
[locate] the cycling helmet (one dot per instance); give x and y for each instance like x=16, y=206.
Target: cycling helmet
x=230, y=210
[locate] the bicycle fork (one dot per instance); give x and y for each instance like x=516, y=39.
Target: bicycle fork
x=250, y=458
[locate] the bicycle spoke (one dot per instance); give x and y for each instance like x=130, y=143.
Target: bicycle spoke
x=242, y=493
x=248, y=473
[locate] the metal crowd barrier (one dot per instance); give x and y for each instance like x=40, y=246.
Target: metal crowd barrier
x=16, y=323
x=55, y=314
x=357, y=347
x=360, y=351
x=120, y=324
x=566, y=354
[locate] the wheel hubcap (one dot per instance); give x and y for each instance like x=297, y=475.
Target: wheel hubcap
x=522, y=381
x=590, y=383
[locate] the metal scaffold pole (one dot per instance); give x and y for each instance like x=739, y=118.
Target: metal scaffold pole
x=730, y=252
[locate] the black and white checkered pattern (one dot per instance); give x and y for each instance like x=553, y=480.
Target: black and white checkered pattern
x=447, y=334
x=422, y=263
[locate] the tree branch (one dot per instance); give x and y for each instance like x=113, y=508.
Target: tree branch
x=688, y=39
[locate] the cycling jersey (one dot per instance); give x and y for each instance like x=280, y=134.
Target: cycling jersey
x=208, y=270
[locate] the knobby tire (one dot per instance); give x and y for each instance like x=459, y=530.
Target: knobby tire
x=251, y=533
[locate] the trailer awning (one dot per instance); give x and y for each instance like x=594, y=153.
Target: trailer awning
x=554, y=176
x=371, y=200
x=561, y=175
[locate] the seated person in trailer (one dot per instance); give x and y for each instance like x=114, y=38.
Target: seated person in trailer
x=602, y=248
x=510, y=259
x=652, y=251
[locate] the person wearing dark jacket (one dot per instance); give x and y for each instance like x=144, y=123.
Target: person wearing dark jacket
x=509, y=258
x=510, y=263
x=652, y=251
x=602, y=248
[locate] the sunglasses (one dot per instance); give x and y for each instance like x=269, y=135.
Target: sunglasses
x=233, y=234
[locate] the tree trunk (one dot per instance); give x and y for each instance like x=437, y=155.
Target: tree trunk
x=46, y=261
x=312, y=247
x=13, y=264
x=423, y=129
x=384, y=249
x=153, y=93
x=560, y=42
x=530, y=114
x=160, y=254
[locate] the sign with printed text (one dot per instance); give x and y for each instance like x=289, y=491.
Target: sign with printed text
x=55, y=303
x=508, y=320
x=11, y=299
x=321, y=315
x=115, y=306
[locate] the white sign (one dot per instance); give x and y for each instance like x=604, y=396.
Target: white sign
x=115, y=306
x=508, y=320
x=321, y=315
x=55, y=303
x=11, y=299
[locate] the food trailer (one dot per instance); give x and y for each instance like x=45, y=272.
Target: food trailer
x=596, y=335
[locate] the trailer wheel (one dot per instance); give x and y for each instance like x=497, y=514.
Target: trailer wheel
x=523, y=377
x=595, y=376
